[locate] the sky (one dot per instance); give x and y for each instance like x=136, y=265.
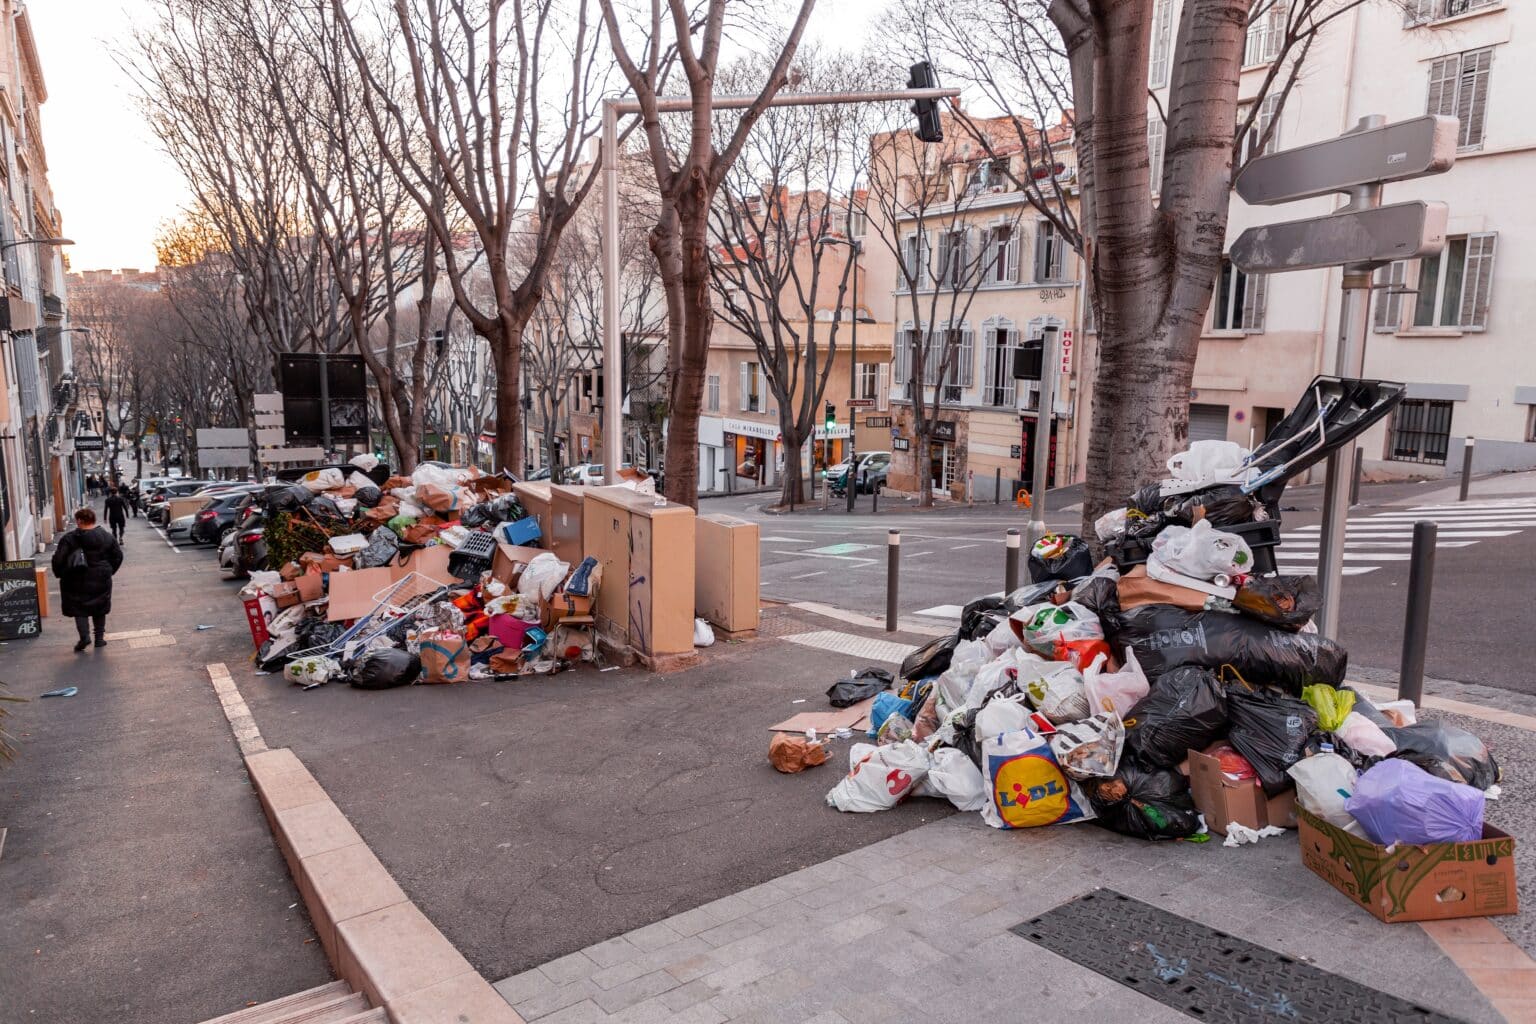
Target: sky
x=110, y=179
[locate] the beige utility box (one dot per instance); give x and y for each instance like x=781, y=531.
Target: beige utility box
x=533, y=495
x=564, y=536
x=726, y=574
x=646, y=550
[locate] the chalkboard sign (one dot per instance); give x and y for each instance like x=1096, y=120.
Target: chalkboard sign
x=20, y=614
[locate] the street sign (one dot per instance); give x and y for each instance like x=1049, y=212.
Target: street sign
x=223, y=458
x=89, y=443
x=346, y=393
x=1394, y=152
x=861, y=403
x=877, y=421
x=222, y=437
x=21, y=613
x=1372, y=236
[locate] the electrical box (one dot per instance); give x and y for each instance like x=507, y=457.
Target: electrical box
x=726, y=572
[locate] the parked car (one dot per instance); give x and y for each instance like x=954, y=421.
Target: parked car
x=872, y=467
x=590, y=473
x=159, y=499
x=542, y=473
x=222, y=511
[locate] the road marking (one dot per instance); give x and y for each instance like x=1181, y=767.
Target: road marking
x=808, y=554
x=943, y=611
x=132, y=634
x=785, y=540
x=856, y=646
x=962, y=547
x=808, y=575
x=167, y=540
x=247, y=735
x=839, y=549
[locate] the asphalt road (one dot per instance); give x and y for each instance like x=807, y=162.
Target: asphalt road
x=1480, y=609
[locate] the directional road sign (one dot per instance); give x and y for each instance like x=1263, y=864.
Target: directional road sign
x=1380, y=235
x=861, y=403
x=1372, y=156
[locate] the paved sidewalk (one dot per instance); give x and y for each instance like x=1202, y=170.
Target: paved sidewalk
x=139, y=881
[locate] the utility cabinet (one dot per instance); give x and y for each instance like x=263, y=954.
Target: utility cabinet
x=726, y=575
x=565, y=533
x=647, y=553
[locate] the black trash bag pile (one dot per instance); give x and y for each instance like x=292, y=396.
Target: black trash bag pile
x=1446, y=751
x=930, y=659
x=1288, y=602
x=384, y=669
x=1271, y=729
x=1142, y=802
x=1165, y=637
x=1186, y=710
x=286, y=498
x=1059, y=556
x=383, y=546
x=1220, y=506
x=368, y=497
x=848, y=692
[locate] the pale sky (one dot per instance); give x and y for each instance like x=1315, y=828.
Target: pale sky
x=110, y=180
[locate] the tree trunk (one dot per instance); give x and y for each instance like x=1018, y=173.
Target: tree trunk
x=687, y=387
x=922, y=451
x=793, y=487
x=508, y=353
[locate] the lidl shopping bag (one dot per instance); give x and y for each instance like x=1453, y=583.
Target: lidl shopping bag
x=1026, y=786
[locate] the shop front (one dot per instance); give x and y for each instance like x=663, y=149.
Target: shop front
x=752, y=454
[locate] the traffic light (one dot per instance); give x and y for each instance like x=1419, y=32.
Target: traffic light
x=831, y=418
x=929, y=127
x=1029, y=359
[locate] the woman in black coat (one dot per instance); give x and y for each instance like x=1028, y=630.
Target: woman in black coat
x=86, y=591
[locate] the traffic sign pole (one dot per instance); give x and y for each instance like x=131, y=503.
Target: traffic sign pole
x=1050, y=363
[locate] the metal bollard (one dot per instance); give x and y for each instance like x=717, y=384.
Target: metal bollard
x=874, y=499
x=1011, y=573
x=892, y=577
x=1354, y=480
x=1466, y=467
x=997, y=486
x=1421, y=580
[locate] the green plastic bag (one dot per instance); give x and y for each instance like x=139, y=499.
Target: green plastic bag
x=1332, y=706
x=401, y=523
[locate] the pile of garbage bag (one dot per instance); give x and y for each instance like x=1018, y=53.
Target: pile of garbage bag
x=1085, y=695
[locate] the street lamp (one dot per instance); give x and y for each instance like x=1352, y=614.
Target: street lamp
x=36, y=241
x=850, y=480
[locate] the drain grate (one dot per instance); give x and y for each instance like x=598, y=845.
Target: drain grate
x=1207, y=974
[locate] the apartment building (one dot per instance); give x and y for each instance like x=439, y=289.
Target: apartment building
x=1450, y=327
x=39, y=395
x=972, y=265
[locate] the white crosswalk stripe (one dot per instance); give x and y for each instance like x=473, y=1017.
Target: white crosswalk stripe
x=1369, y=540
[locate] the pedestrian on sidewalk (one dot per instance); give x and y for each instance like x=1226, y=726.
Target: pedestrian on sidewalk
x=117, y=513
x=84, y=562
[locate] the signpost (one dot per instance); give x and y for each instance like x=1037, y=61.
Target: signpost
x=1360, y=237
x=223, y=447
x=89, y=443
x=21, y=614
x=325, y=398
x=861, y=403
x=1050, y=363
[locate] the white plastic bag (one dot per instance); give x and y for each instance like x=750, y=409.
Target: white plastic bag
x=954, y=777
x=1042, y=626
x=365, y=462
x=703, y=635
x=1002, y=638
x=542, y=577
x=1201, y=551
x=359, y=481
x=1002, y=714
x=1000, y=671
x=1207, y=462
x=1111, y=524
x=1025, y=786
x=879, y=777
x=1090, y=748
x=1323, y=782
x=1115, y=691
x=955, y=682
x=311, y=671
x=318, y=480
x=1365, y=736
x=445, y=478
x=1056, y=690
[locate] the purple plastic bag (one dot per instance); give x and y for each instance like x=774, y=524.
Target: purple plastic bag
x=1396, y=801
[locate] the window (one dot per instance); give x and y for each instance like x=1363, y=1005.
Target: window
x=1389, y=288
x=1050, y=254
x=1239, y=301
x=858, y=222
x=1421, y=431
x=1530, y=424
x=1157, y=134
x=914, y=254
x=754, y=388
x=1254, y=143
x=910, y=349
x=1421, y=12
x=712, y=393
x=981, y=179
x=1162, y=43
x=1458, y=87
x=1000, y=341
x=1003, y=254
x=953, y=269
x=1266, y=32
x=1455, y=287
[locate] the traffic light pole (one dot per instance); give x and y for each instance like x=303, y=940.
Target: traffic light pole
x=613, y=410
x=1050, y=363
x=850, y=479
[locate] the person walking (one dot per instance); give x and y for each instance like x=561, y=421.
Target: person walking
x=117, y=513
x=84, y=562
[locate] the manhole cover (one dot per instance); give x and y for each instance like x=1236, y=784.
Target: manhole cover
x=1204, y=973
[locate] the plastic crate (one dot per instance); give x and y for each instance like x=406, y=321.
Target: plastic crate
x=473, y=556
x=1262, y=539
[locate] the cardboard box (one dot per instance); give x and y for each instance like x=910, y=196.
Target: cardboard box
x=311, y=587
x=1415, y=883
x=1224, y=801
x=509, y=560
x=286, y=594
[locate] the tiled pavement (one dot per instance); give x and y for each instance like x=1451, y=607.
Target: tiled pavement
x=915, y=928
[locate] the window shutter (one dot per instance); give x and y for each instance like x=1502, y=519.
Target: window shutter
x=1255, y=298
x=1417, y=12
x=1009, y=383
x=883, y=387
x=1042, y=268
x=746, y=386
x=1388, y=314
x=1157, y=133
x=967, y=357
x=989, y=357
x=945, y=246
x=1442, y=87
x=1472, y=96
x=1162, y=39
x=1013, y=256
x=762, y=388
x=1477, y=282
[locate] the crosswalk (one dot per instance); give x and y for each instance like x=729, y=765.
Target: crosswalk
x=1376, y=540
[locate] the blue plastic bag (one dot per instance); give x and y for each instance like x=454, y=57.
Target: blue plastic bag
x=887, y=704
x=1396, y=801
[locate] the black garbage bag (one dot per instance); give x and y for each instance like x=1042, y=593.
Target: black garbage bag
x=1271, y=729
x=847, y=692
x=981, y=616
x=325, y=507
x=478, y=515
x=1285, y=602
x=1446, y=751
x=1099, y=593
x=1165, y=637
x=1148, y=500
x=1147, y=803
x=931, y=659
x=286, y=498
x=1055, y=591
x=385, y=668
x=383, y=546
x=1223, y=505
x=1187, y=709
x=1059, y=556
x=313, y=631
x=274, y=653
x=368, y=497
x=965, y=739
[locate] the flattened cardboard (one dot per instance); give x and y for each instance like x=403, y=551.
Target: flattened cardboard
x=351, y=593
x=1224, y=801
x=854, y=716
x=1415, y=883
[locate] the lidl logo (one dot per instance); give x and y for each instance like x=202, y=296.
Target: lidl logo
x=1029, y=790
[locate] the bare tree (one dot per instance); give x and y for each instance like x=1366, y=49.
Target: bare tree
x=689, y=170
x=1152, y=262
